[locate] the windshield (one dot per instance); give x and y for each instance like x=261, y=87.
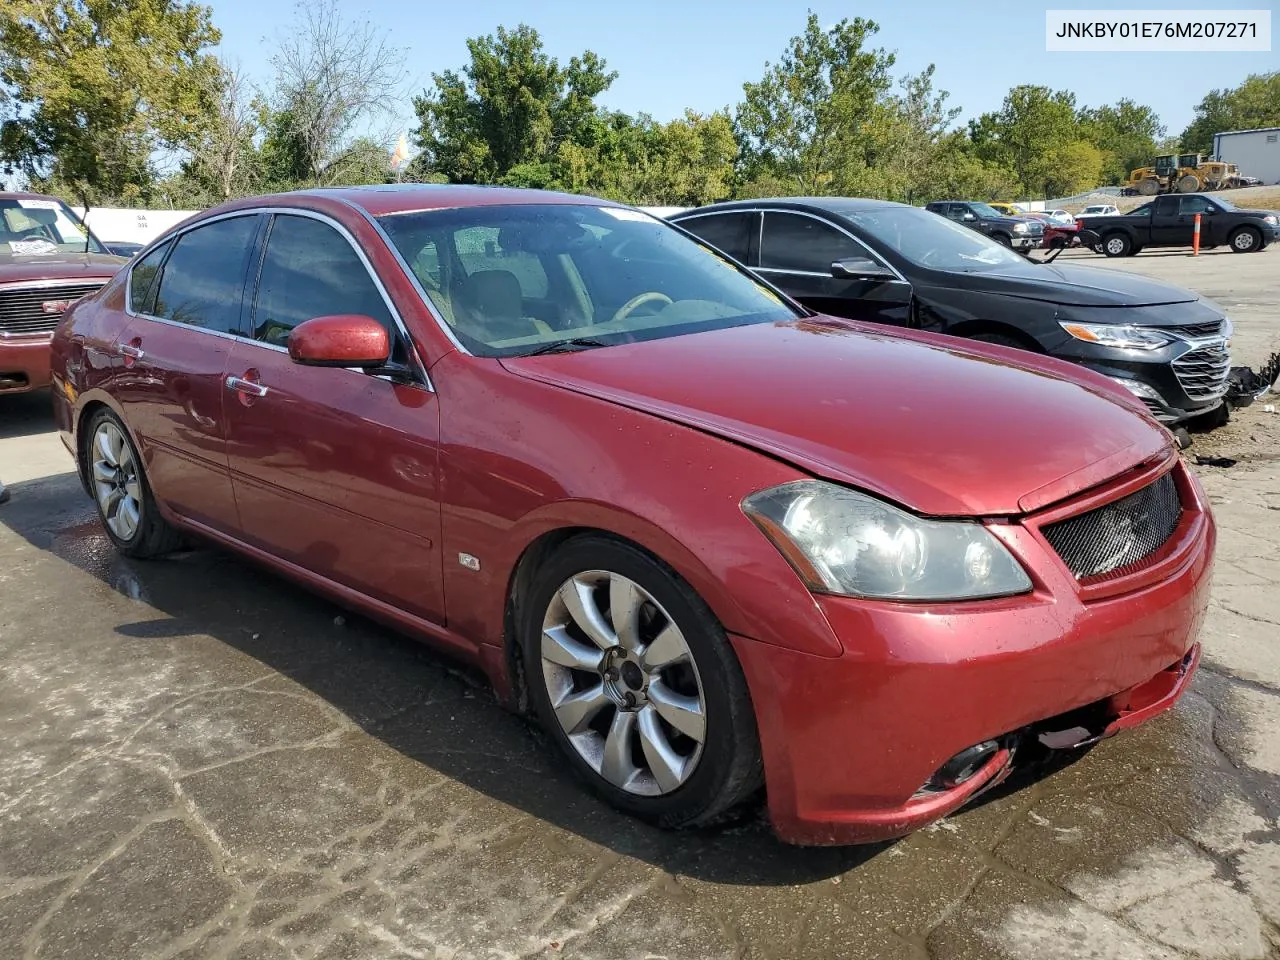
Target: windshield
x=36, y=227
x=931, y=241
x=985, y=210
x=1225, y=204
x=1095, y=209
x=515, y=279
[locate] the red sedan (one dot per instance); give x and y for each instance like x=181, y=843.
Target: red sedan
x=711, y=540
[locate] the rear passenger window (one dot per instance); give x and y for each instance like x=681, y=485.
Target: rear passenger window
x=203, y=280
x=310, y=270
x=142, y=278
x=729, y=232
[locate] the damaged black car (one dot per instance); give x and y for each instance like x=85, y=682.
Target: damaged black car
x=890, y=263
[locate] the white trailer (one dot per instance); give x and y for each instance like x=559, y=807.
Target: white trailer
x=1255, y=152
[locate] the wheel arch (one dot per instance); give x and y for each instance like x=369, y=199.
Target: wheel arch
x=981, y=325
x=87, y=407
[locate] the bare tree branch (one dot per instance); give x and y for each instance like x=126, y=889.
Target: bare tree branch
x=332, y=76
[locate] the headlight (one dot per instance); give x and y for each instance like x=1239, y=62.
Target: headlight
x=1115, y=335
x=845, y=542
x=1020, y=228
x=1271, y=219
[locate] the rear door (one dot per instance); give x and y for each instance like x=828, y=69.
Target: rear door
x=796, y=253
x=733, y=233
x=175, y=349
x=334, y=470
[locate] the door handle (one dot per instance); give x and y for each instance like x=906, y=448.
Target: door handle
x=249, y=388
x=132, y=351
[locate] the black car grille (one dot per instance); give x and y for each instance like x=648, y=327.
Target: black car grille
x=22, y=309
x=1115, y=537
x=1199, y=331
x=1203, y=372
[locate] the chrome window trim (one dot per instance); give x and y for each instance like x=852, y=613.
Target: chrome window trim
x=871, y=254
x=420, y=369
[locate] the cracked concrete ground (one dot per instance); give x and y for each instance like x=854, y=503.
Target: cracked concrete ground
x=200, y=760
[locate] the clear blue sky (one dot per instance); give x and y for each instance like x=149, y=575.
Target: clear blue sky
x=672, y=54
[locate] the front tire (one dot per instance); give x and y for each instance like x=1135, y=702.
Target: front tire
x=1003, y=238
x=1117, y=245
x=633, y=677
x=126, y=505
x=1245, y=240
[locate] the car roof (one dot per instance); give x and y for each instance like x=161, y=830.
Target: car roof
x=24, y=195
x=836, y=205
x=388, y=198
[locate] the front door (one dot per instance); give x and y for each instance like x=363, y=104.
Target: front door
x=175, y=352
x=334, y=470
x=796, y=253
x=1169, y=226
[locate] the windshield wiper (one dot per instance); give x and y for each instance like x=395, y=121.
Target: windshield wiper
x=567, y=346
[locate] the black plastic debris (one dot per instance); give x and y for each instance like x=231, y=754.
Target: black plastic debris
x=1245, y=385
x=1204, y=461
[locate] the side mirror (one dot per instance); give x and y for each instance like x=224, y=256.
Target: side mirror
x=342, y=340
x=860, y=268
x=969, y=217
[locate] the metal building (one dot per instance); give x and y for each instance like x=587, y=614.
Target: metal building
x=1255, y=152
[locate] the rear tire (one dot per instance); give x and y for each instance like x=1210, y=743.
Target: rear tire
x=1117, y=245
x=1245, y=240
x=118, y=482
x=662, y=646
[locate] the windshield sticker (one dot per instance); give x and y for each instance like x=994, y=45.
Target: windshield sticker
x=39, y=204
x=622, y=213
x=29, y=248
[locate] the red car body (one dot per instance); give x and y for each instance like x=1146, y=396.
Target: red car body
x=857, y=702
x=34, y=292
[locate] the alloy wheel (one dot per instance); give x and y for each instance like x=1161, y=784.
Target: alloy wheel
x=115, y=481
x=1243, y=240
x=622, y=683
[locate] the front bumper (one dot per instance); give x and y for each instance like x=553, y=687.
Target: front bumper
x=850, y=742
x=1152, y=376
x=1027, y=242
x=24, y=363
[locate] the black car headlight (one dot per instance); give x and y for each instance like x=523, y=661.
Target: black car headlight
x=1122, y=336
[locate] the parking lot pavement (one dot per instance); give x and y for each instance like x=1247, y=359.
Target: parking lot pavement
x=200, y=760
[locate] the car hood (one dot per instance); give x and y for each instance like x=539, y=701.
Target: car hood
x=941, y=427
x=1076, y=286
x=58, y=266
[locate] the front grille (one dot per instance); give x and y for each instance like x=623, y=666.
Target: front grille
x=1035, y=228
x=1203, y=372
x=1115, y=537
x=22, y=308
x=1198, y=331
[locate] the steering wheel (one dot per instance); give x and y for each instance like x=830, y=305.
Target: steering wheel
x=636, y=302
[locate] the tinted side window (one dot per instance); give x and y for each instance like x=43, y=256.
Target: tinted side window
x=142, y=278
x=311, y=271
x=793, y=242
x=1193, y=205
x=730, y=232
x=203, y=279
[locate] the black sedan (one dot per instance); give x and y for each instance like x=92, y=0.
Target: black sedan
x=891, y=263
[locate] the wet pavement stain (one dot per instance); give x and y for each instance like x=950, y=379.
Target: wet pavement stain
x=200, y=762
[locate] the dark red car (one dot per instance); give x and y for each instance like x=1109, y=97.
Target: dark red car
x=711, y=540
x=48, y=260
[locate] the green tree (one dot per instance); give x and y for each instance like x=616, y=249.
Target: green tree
x=910, y=142
x=1126, y=133
x=804, y=123
x=1255, y=103
x=1028, y=135
x=510, y=109
x=98, y=85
